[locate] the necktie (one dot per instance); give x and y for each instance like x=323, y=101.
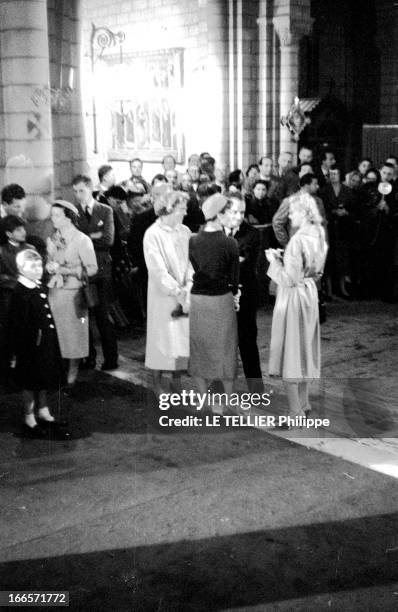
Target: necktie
x=87, y=214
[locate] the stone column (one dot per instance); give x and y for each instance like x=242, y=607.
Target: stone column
x=266, y=75
x=291, y=22
x=387, y=30
x=64, y=24
x=215, y=105
x=25, y=127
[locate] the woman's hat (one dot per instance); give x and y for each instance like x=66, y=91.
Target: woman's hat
x=213, y=205
x=67, y=205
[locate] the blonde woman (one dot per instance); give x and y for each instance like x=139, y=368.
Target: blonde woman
x=295, y=352
x=169, y=283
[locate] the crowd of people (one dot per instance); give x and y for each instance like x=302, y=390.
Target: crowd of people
x=185, y=255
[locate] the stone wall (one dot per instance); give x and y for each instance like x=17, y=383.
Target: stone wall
x=387, y=36
x=42, y=139
x=25, y=121
x=349, y=61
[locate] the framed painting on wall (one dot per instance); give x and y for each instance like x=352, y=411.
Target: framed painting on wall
x=146, y=105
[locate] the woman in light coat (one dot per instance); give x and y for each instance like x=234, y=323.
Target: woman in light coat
x=169, y=283
x=295, y=353
x=71, y=257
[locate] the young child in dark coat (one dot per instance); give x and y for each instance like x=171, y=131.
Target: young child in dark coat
x=12, y=241
x=34, y=342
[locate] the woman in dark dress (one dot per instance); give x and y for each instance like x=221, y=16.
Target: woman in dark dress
x=340, y=207
x=214, y=299
x=34, y=343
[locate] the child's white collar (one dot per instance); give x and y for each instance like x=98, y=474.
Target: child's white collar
x=26, y=282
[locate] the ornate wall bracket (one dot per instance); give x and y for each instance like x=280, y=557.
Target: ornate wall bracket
x=102, y=38
x=296, y=120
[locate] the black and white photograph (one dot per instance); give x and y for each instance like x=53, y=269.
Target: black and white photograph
x=199, y=305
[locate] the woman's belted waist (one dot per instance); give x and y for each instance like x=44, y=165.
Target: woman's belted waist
x=68, y=282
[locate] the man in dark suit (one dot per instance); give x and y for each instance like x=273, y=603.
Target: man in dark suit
x=280, y=221
x=96, y=220
x=267, y=175
x=288, y=178
x=248, y=239
x=327, y=161
x=106, y=177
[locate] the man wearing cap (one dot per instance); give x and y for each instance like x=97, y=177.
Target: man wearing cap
x=96, y=220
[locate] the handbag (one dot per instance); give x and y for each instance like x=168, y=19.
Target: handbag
x=178, y=312
x=89, y=291
x=322, y=306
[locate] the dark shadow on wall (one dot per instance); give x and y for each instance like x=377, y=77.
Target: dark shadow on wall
x=350, y=78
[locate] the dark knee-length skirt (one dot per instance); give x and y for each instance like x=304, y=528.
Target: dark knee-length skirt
x=213, y=336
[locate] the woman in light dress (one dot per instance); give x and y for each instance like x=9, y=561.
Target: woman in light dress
x=169, y=283
x=295, y=352
x=71, y=257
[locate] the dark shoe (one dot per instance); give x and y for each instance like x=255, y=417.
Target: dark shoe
x=51, y=424
x=216, y=386
x=87, y=364
x=109, y=366
x=283, y=426
x=55, y=430
x=36, y=432
x=60, y=433
x=344, y=296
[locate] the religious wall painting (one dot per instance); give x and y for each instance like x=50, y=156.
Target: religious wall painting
x=146, y=113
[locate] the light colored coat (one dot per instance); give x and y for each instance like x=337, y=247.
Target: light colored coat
x=295, y=352
x=72, y=250
x=169, y=269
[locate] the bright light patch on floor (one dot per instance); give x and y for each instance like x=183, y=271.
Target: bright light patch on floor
x=386, y=468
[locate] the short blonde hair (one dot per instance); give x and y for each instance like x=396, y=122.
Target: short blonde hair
x=26, y=255
x=307, y=204
x=165, y=199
